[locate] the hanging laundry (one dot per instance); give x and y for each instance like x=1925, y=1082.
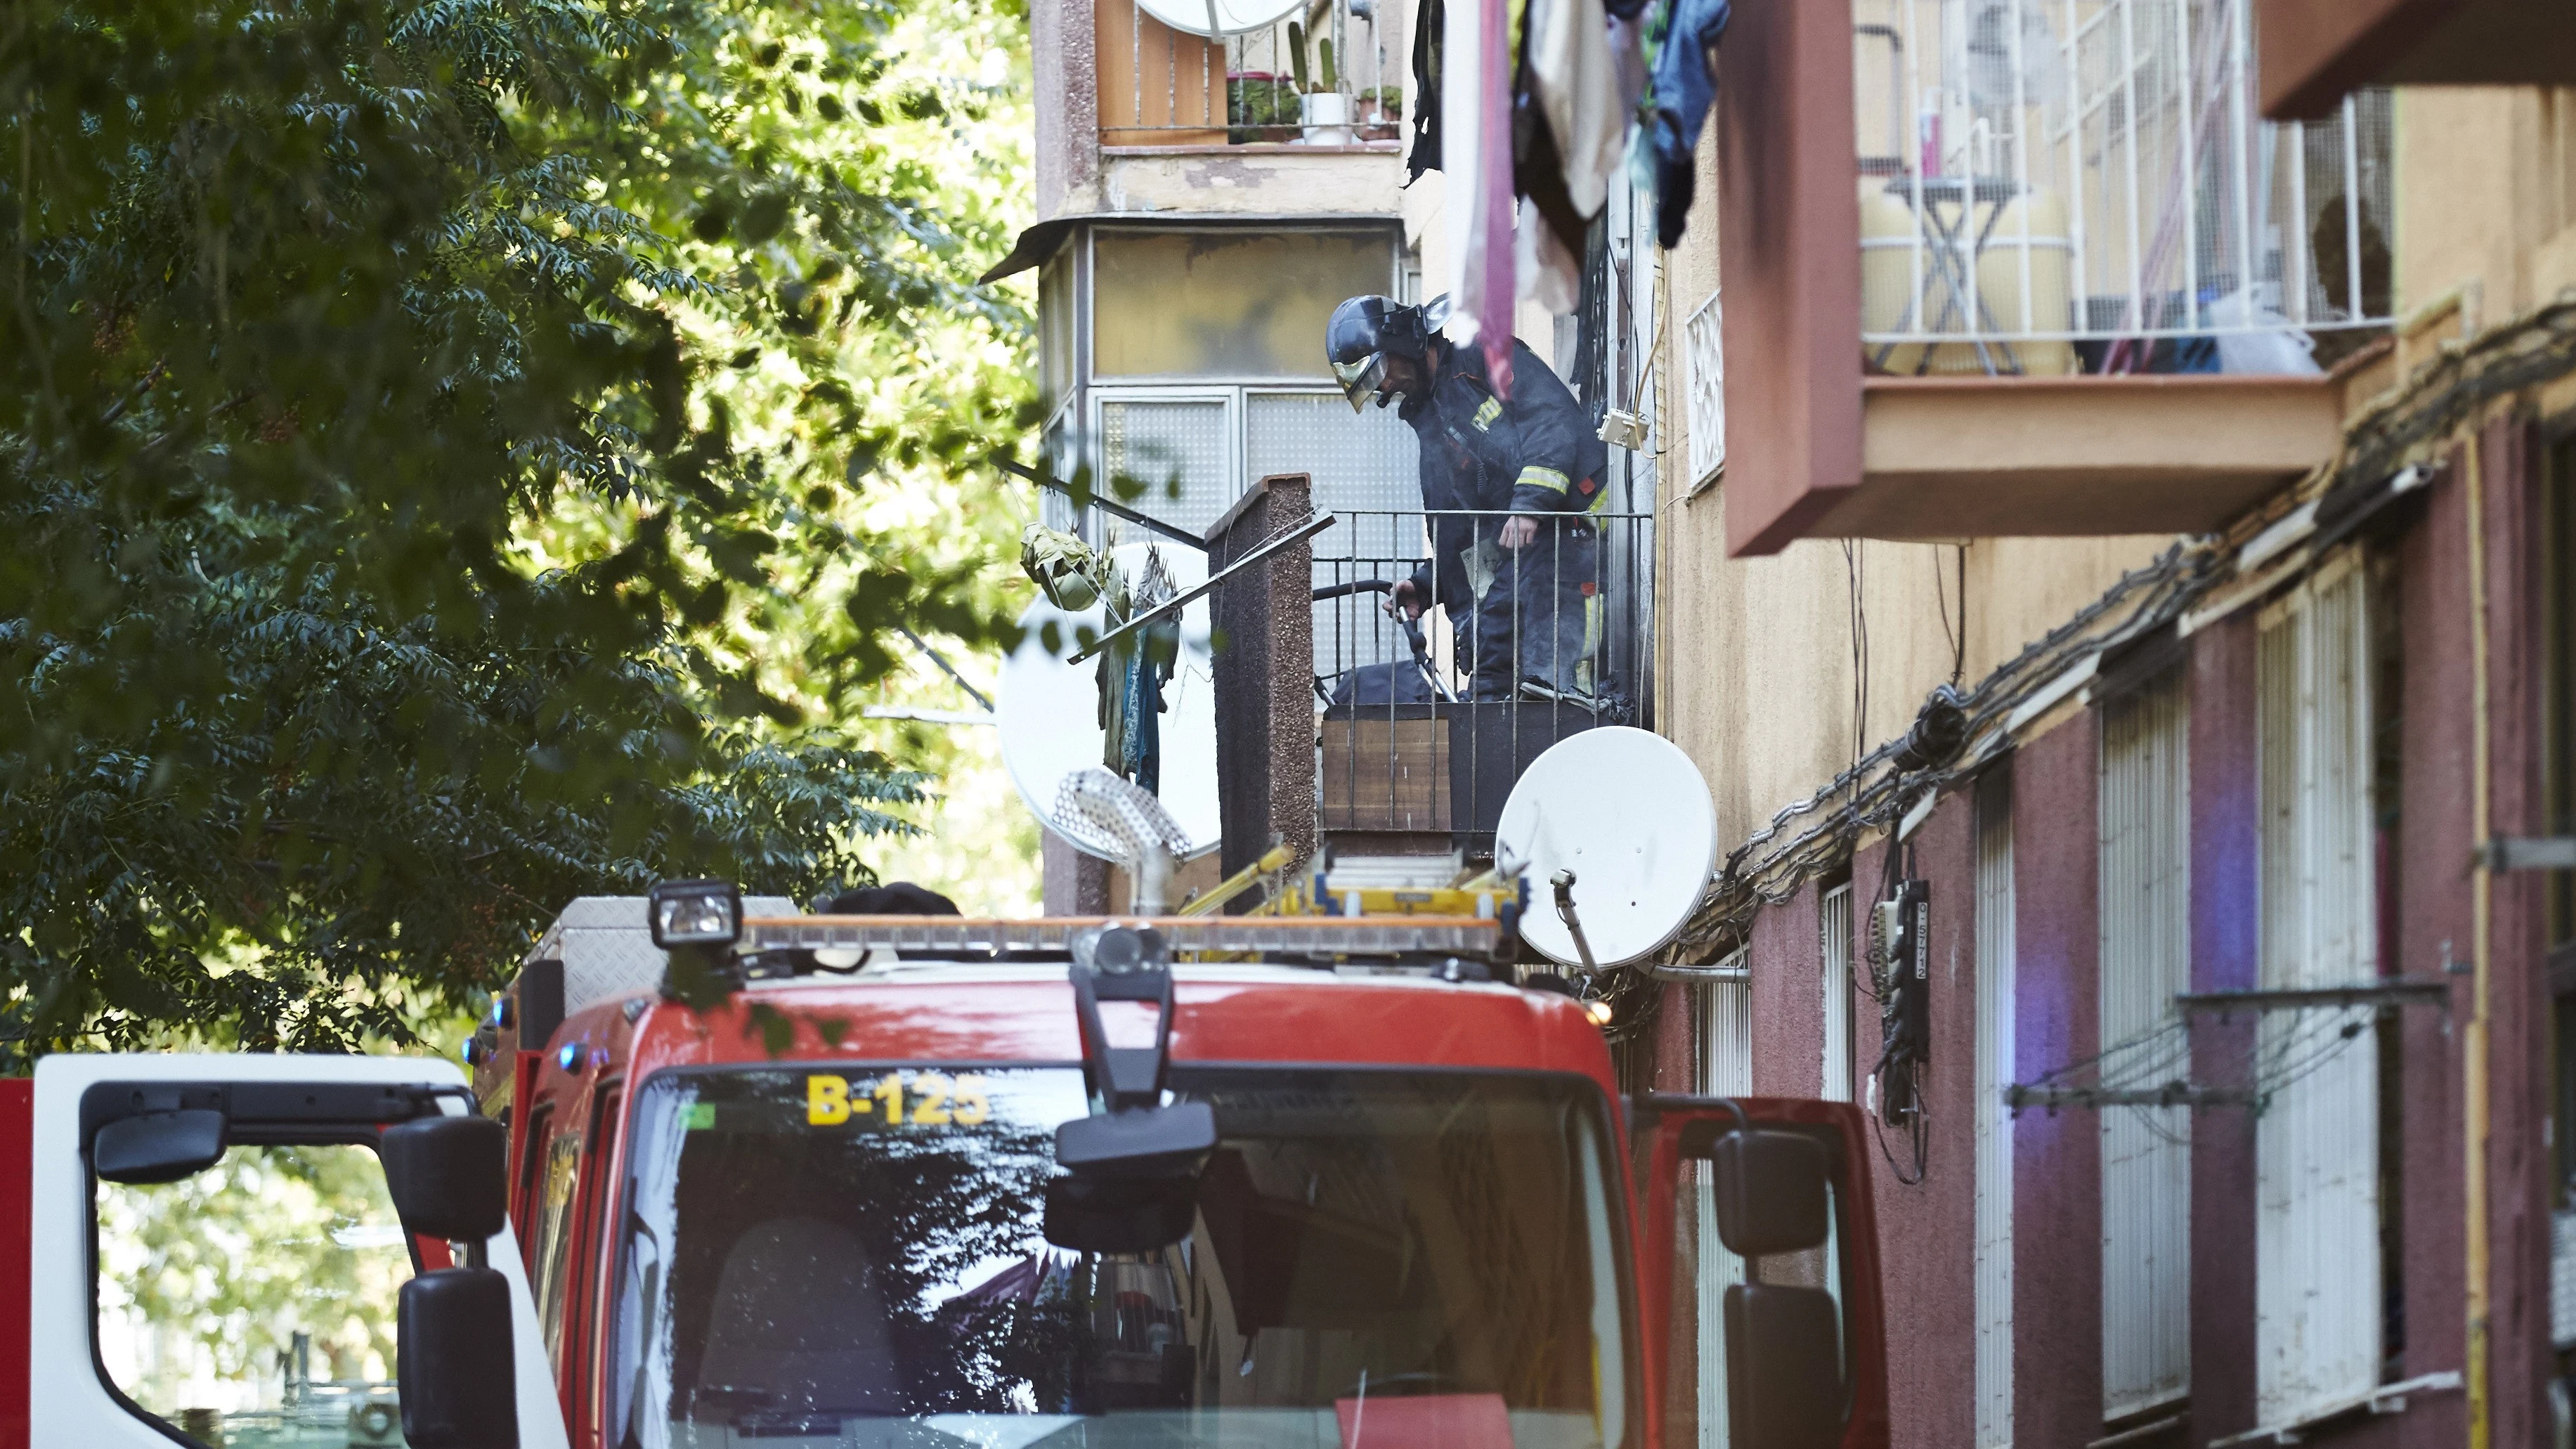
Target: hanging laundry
x=1685, y=85
x=1476, y=156
x=1549, y=274
x=1627, y=38
x=1133, y=671
x=1568, y=67
x=1427, y=34
x=1538, y=174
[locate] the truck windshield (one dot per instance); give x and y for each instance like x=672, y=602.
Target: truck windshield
x=854, y=1256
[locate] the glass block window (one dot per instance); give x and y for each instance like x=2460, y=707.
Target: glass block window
x=1366, y=471
x=1181, y=449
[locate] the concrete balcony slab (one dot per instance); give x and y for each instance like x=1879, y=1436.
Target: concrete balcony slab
x=1263, y=179
x=1977, y=457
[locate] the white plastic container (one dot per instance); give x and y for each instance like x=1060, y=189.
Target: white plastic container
x=1327, y=118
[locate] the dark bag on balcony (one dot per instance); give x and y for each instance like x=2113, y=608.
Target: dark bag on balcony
x=1396, y=683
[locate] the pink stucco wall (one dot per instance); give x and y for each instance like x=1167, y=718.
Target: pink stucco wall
x=1928, y=1229
x=2057, y=1157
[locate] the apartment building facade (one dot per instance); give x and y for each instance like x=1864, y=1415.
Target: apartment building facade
x=2187, y=394
x=2219, y=463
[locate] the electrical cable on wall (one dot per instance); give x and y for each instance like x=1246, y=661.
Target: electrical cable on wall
x=1899, y=953
x=2152, y=1070
x=1880, y=786
x=2405, y=428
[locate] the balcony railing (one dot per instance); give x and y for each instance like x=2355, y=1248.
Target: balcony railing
x=2053, y=187
x=1425, y=726
x=1164, y=87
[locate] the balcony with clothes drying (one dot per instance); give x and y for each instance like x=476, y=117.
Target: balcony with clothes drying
x=2096, y=292
x=1291, y=703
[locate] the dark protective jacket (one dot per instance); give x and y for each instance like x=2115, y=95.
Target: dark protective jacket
x=1533, y=453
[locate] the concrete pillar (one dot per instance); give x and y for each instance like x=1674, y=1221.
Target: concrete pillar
x=1265, y=675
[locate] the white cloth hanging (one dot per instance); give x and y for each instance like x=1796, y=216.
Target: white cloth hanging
x=1579, y=94
x=1550, y=275
x=1476, y=163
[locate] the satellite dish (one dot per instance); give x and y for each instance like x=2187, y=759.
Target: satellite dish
x=1050, y=711
x=1218, y=18
x=1628, y=813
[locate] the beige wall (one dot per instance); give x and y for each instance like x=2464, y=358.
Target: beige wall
x=1759, y=678
x=2486, y=197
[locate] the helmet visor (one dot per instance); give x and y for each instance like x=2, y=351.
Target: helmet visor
x=1362, y=380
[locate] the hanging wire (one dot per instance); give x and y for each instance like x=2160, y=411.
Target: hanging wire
x=2528, y=350
x=2281, y=1057
x=1873, y=793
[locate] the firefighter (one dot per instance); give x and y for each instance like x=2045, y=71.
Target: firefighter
x=1523, y=591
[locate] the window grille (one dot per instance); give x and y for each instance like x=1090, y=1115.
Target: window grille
x=1366, y=470
x=1704, y=362
x=1997, y=976
x=1835, y=927
x=2145, y=915
x=2061, y=186
x=2316, y=1143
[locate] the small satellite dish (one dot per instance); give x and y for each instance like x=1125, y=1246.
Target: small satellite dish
x=1216, y=18
x=1628, y=813
x=1050, y=710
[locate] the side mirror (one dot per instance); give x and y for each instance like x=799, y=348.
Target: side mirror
x=1784, y=1383
x=1771, y=1191
x=449, y=1176
x=158, y=1146
x=454, y=1360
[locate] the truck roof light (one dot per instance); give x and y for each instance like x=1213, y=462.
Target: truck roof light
x=694, y=913
x=568, y=1056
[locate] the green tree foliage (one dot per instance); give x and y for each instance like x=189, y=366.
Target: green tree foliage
x=447, y=452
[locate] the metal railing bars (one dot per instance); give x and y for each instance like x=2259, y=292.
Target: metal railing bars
x=1538, y=627
x=1260, y=99
x=2087, y=186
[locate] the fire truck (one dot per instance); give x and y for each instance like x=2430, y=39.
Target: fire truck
x=725, y=1174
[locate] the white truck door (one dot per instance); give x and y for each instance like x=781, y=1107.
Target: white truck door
x=257, y=1294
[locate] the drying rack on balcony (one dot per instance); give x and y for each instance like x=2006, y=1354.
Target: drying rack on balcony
x=1945, y=208
x=2088, y=186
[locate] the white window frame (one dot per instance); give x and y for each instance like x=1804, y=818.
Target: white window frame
x=1704, y=387
x=1098, y=405
x=1998, y=992
x=2317, y=1333
x=1835, y=936
x=2144, y=922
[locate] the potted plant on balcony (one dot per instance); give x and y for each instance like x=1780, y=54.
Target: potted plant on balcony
x=1381, y=113
x=1323, y=105
x=1260, y=106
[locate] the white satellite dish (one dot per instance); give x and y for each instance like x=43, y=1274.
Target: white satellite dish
x=1628, y=813
x=1050, y=709
x=1218, y=18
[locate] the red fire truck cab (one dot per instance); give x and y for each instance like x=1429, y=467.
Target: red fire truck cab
x=811, y=1181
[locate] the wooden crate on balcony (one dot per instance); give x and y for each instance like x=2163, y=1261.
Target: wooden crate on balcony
x=1384, y=769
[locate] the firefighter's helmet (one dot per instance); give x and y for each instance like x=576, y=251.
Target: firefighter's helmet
x=1365, y=331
